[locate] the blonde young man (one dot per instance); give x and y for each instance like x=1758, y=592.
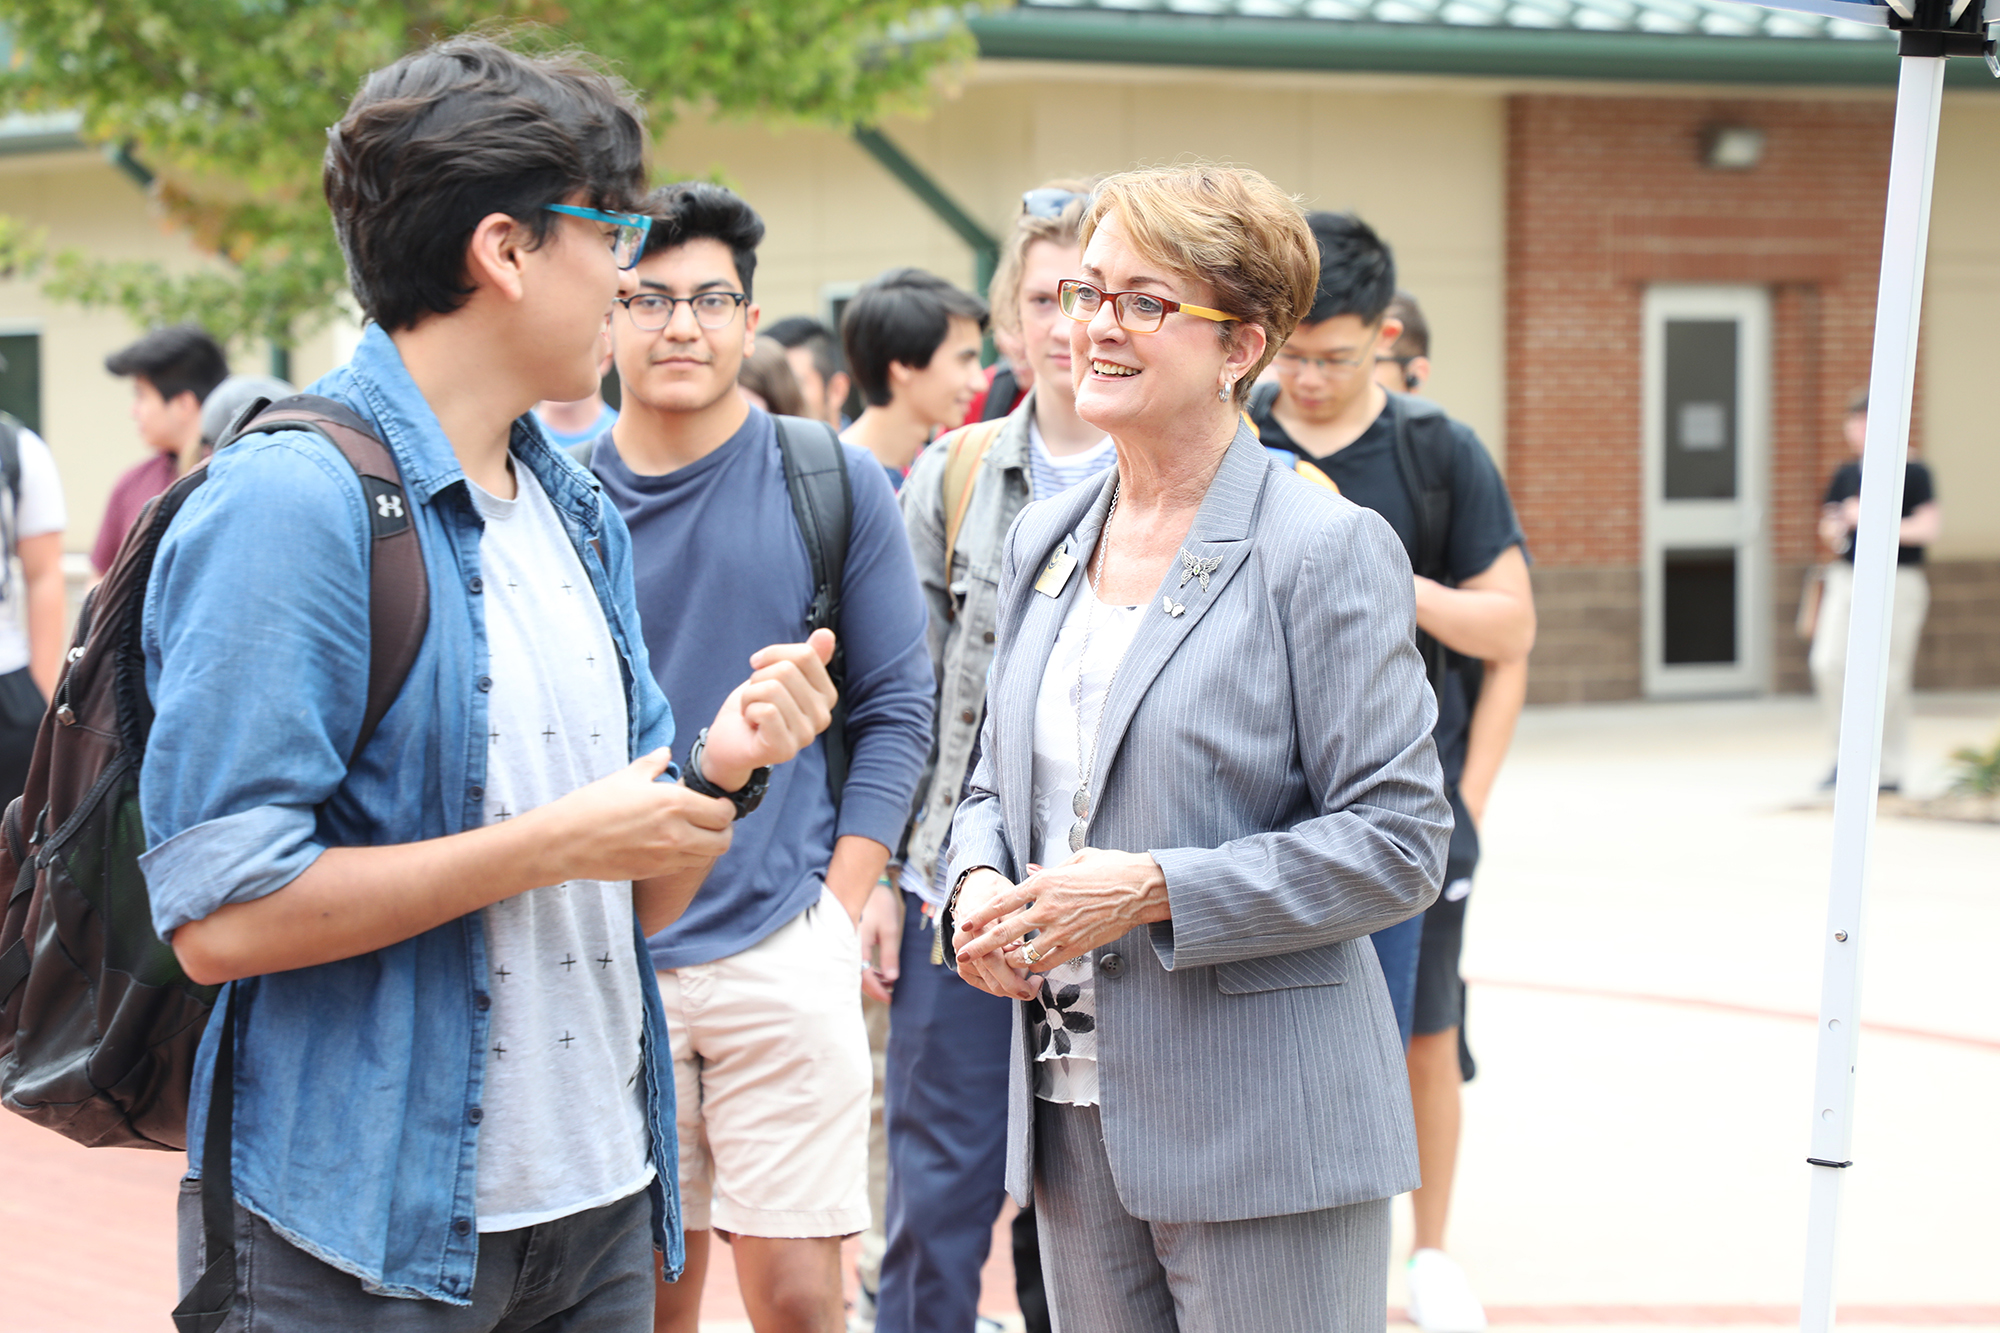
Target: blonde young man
x=946, y=1108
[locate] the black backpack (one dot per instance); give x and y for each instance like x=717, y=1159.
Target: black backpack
x=1424, y=447
x=98, y=1023
x=823, y=504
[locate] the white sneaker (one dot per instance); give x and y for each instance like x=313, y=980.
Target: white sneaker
x=1441, y=1300
x=861, y=1314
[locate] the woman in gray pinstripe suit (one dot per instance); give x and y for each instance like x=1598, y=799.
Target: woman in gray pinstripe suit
x=1207, y=775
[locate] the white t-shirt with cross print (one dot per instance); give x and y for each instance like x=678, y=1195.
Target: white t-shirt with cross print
x=563, y=1124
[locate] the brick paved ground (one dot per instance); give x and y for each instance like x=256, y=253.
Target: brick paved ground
x=1644, y=964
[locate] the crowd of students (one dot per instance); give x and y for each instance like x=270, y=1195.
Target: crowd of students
x=717, y=656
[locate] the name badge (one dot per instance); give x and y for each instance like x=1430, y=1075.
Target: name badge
x=1055, y=574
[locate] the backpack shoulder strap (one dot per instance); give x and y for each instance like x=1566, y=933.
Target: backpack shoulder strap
x=823, y=505
x=822, y=502
x=398, y=588
x=1423, y=459
x=11, y=467
x=10, y=456
x=582, y=451
x=967, y=449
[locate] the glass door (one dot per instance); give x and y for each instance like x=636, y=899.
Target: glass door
x=1705, y=576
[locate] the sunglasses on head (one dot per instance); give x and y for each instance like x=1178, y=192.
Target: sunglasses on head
x=1049, y=203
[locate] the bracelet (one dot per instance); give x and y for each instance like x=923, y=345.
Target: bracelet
x=947, y=919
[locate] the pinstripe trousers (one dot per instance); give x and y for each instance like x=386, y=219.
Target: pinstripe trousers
x=1110, y=1272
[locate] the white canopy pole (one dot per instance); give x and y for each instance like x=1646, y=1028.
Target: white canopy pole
x=1905, y=235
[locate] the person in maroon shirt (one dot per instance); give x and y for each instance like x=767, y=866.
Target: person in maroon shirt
x=172, y=371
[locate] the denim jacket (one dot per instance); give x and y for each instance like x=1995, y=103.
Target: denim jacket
x=963, y=598
x=358, y=1082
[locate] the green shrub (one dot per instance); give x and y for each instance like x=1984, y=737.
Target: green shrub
x=1978, y=771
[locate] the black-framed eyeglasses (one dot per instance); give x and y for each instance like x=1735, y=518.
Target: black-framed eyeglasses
x=1049, y=202
x=653, y=311
x=1291, y=363
x=630, y=238
x=1136, y=312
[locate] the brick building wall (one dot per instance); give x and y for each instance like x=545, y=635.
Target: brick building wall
x=1605, y=196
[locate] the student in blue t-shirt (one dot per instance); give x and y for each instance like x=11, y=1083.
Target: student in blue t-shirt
x=912, y=340
x=762, y=977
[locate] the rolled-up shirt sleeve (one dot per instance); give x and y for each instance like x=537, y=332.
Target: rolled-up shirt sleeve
x=256, y=646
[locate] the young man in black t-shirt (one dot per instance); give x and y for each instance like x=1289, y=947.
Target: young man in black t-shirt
x=1330, y=409
x=1922, y=522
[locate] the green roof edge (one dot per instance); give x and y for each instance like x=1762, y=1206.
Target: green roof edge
x=1237, y=42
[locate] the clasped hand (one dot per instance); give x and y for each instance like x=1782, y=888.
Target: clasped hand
x=1089, y=900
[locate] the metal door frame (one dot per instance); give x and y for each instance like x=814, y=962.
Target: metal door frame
x=1696, y=523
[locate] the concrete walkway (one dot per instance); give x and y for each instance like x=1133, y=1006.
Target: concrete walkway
x=1644, y=958
x=1644, y=954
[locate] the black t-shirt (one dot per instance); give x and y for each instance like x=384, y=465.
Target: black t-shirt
x=1483, y=526
x=1917, y=490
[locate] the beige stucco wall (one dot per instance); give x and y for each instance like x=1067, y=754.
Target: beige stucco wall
x=85, y=203
x=1424, y=160
x=1961, y=337
x=1424, y=164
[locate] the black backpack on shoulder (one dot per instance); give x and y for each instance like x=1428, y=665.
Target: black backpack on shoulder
x=98, y=1023
x=823, y=505
x=1424, y=446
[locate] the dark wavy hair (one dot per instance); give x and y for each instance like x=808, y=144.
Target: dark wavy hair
x=704, y=211
x=904, y=316
x=457, y=132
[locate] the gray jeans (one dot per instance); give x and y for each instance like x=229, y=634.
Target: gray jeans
x=592, y=1272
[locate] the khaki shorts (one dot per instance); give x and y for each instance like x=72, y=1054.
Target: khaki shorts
x=772, y=1077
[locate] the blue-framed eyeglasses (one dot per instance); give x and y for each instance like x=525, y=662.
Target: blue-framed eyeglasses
x=628, y=244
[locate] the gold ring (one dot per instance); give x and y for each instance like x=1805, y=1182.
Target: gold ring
x=1029, y=956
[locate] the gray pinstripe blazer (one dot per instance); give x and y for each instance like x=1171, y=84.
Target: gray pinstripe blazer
x=1271, y=747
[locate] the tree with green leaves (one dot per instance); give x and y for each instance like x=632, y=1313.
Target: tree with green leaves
x=226, y=104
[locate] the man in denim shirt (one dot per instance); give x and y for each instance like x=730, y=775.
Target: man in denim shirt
x=408, y=930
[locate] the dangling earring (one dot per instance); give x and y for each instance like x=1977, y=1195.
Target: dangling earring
x=1222, y=394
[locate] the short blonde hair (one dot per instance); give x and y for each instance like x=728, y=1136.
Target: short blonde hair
x=1003, y=293
x=1229, y=227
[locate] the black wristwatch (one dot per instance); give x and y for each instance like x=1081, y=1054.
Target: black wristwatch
x=746, y=798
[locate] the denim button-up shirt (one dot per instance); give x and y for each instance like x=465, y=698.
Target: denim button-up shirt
x=358, y=1083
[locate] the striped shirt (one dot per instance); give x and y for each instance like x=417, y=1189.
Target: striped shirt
x=1049, y=475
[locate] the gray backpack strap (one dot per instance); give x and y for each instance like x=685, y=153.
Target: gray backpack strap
x=10, y=475
x=582, y=452
x=10, y=456
x=823, y=504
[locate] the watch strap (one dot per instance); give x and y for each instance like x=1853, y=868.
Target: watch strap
x=746, y=798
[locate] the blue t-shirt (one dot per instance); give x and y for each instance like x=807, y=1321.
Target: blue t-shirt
x=607, y=417
x=720, y=571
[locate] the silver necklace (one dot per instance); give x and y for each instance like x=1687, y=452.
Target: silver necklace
x=1085, y=758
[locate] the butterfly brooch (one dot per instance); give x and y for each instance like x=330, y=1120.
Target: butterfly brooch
x=1192, y=568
